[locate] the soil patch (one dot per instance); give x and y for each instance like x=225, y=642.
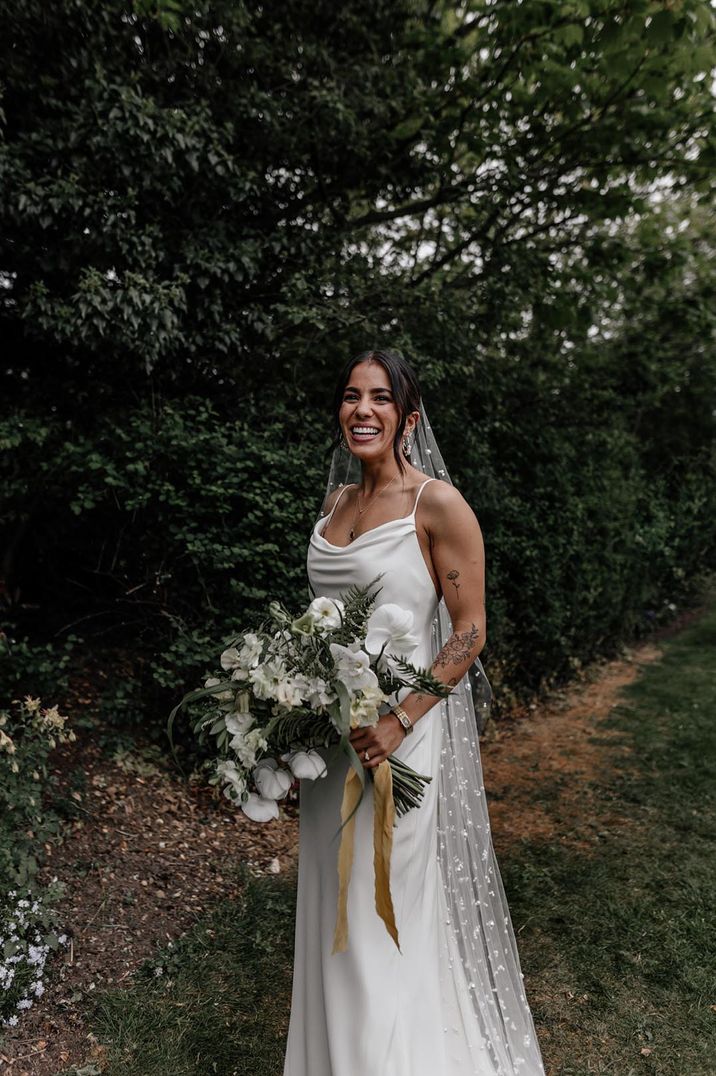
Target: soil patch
x=541, y=773
x=145, y=859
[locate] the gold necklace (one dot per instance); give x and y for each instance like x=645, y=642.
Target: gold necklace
x=351, y=533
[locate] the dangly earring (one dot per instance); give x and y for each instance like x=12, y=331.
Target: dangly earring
x=406, y=446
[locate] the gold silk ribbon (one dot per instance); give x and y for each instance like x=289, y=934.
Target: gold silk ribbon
x=383, y=821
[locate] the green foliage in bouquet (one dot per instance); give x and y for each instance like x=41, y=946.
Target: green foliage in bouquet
x=299, y=683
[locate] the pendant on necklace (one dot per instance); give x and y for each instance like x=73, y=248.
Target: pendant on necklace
x=351, y=535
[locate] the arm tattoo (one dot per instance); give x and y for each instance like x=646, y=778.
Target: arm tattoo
x=452, y=576
x=458, y=647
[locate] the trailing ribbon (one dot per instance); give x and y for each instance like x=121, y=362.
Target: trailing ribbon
x=383, y=821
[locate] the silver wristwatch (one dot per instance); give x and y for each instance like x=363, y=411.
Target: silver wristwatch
x=403, y=719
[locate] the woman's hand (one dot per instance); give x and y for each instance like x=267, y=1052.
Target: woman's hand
x=378, y=740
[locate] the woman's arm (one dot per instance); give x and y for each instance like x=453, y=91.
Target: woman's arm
x=458, y=555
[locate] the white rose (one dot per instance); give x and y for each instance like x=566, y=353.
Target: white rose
x=259, y=809
x=353, y=668
x=272, y=782
x=389, y=628
x=306, y=765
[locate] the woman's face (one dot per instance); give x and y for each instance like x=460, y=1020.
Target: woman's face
x=368, y=415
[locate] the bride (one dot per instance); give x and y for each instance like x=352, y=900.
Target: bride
x=450, y=1001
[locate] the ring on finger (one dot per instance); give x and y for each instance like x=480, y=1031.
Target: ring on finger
x=366, y=756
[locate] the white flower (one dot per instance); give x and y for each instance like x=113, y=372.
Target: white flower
x=259, y=809
x=290, y=691
x=232, y=776
x=306, y=765
x=266, y=678
x=239, y=662
x=353, y=668
x=6, y=743
x=247, y=747
x=238, y=724
x=390, y=627
x=230, y=659
x=365, y=707
x=250, y=653
x=318, y=693
x=327, y=613
x=272, y=782
x=222, y=696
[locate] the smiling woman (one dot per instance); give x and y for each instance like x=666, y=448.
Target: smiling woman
x=450, y=1001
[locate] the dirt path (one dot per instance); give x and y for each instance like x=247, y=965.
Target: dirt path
x=148, y=855
x=539, y=771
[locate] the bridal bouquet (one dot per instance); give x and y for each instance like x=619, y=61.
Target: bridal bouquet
x=293, y=684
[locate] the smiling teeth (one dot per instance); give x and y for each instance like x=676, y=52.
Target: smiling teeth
x=365, y=429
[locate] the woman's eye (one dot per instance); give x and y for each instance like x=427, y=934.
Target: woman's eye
x=354, y=396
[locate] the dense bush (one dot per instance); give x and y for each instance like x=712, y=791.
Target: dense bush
x=206, y=209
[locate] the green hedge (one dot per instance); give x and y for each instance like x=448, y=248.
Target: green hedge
x=207, y=208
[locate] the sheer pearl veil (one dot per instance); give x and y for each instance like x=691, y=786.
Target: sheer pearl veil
x=482, y=938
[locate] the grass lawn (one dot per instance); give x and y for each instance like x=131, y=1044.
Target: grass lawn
x=617, y=944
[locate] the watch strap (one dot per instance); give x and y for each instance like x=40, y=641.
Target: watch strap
x=403, y=719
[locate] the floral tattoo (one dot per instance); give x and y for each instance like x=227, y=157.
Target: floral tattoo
x=458, y=647
x=452, y=576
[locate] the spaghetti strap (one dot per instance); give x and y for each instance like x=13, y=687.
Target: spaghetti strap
x=335, y=504
x=417, y=495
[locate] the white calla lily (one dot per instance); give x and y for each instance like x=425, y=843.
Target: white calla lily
x=390, y=628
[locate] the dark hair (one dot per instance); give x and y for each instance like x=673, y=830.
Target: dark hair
x=403, y=382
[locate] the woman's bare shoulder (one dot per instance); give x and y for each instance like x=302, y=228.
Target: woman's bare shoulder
x=442, y=495
x=331, y=499
x=443, y=502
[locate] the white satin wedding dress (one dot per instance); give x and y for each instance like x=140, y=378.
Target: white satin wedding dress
x=372, y=1010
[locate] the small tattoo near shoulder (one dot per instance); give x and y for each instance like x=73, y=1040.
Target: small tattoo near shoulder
x=452, y=576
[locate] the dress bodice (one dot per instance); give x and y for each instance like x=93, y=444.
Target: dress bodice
x=393, y=549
